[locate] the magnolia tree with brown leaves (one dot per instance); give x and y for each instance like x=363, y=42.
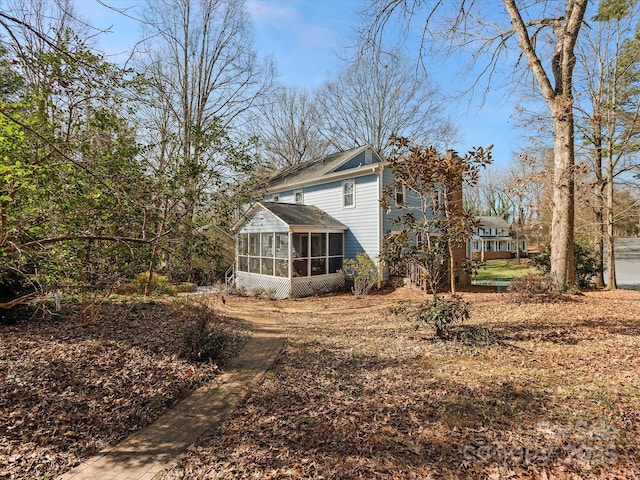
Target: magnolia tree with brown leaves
x=434, y=224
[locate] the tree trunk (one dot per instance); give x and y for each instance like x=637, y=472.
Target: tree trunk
x=600, y=191
x=562, y=223
x=452, y=268
x=598, y=279
x=612, y=283
x=518, y=230
x=154, y=249
x=559, y=99
x=148, y=286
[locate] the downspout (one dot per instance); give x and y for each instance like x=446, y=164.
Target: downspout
x=290, y=260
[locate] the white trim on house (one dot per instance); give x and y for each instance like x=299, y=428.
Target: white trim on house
x=352, y=194
x=381, y=267
x=334, y=172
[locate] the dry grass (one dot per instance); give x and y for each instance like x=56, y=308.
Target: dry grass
x=359, y=393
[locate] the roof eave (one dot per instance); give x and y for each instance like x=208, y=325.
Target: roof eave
x=354, y=172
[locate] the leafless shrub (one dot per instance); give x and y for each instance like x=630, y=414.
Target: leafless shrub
x=534, y=289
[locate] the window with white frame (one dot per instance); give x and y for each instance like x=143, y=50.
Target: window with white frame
x=399, y=195
x=348, y=194
x=298, y=197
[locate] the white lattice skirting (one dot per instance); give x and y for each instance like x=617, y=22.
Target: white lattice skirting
x=304, y=287
x=279, y=287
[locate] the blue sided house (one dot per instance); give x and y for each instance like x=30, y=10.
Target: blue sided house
x=313, y=216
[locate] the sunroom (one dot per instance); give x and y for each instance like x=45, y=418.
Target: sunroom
x=288, y=250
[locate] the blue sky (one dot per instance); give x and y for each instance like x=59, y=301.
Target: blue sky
x=306, y=37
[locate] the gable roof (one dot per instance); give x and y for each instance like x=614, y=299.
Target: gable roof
x=296, y=215
x=323, y=168
x=492, y=222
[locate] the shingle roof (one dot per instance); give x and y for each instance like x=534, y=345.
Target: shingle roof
x=302, y=215
x=313, y=170
x=492, y=222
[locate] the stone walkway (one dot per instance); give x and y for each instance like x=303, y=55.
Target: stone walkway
x=147, y=452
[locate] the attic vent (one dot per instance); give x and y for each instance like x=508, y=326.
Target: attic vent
x=367, y=157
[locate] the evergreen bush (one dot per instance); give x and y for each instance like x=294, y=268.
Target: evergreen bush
x=159, y=284
x=585, y=261
x=443, y=312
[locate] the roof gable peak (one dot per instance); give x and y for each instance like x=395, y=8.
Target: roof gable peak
x=316, y=170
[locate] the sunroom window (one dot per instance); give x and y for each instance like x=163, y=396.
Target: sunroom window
x=336, y=252
x=300, y=252
x=317, y=253
x=264, y=253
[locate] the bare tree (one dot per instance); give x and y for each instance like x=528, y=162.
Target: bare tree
x=290, y=128
x=380, y=94
x=205, y=80
x=546, y=36
x=207, y=74
x=489, y=195
x=203, y=53
x=608, y=114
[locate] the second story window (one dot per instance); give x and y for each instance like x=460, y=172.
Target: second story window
x=348, y=194
x=276, y=197
x=399, y=196
x=298, y=197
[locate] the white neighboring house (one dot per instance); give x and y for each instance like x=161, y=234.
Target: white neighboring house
x=493, y=239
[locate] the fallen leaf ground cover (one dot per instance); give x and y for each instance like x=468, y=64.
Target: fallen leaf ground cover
x=551, y=391
x=68, y=389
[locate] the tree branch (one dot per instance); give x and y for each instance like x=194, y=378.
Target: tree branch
x=47, y=241
x=18, y=301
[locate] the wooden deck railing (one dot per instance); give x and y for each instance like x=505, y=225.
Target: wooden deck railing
x=417, y=276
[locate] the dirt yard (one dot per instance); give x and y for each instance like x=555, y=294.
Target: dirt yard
x=69, y=389
x=531, y=391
